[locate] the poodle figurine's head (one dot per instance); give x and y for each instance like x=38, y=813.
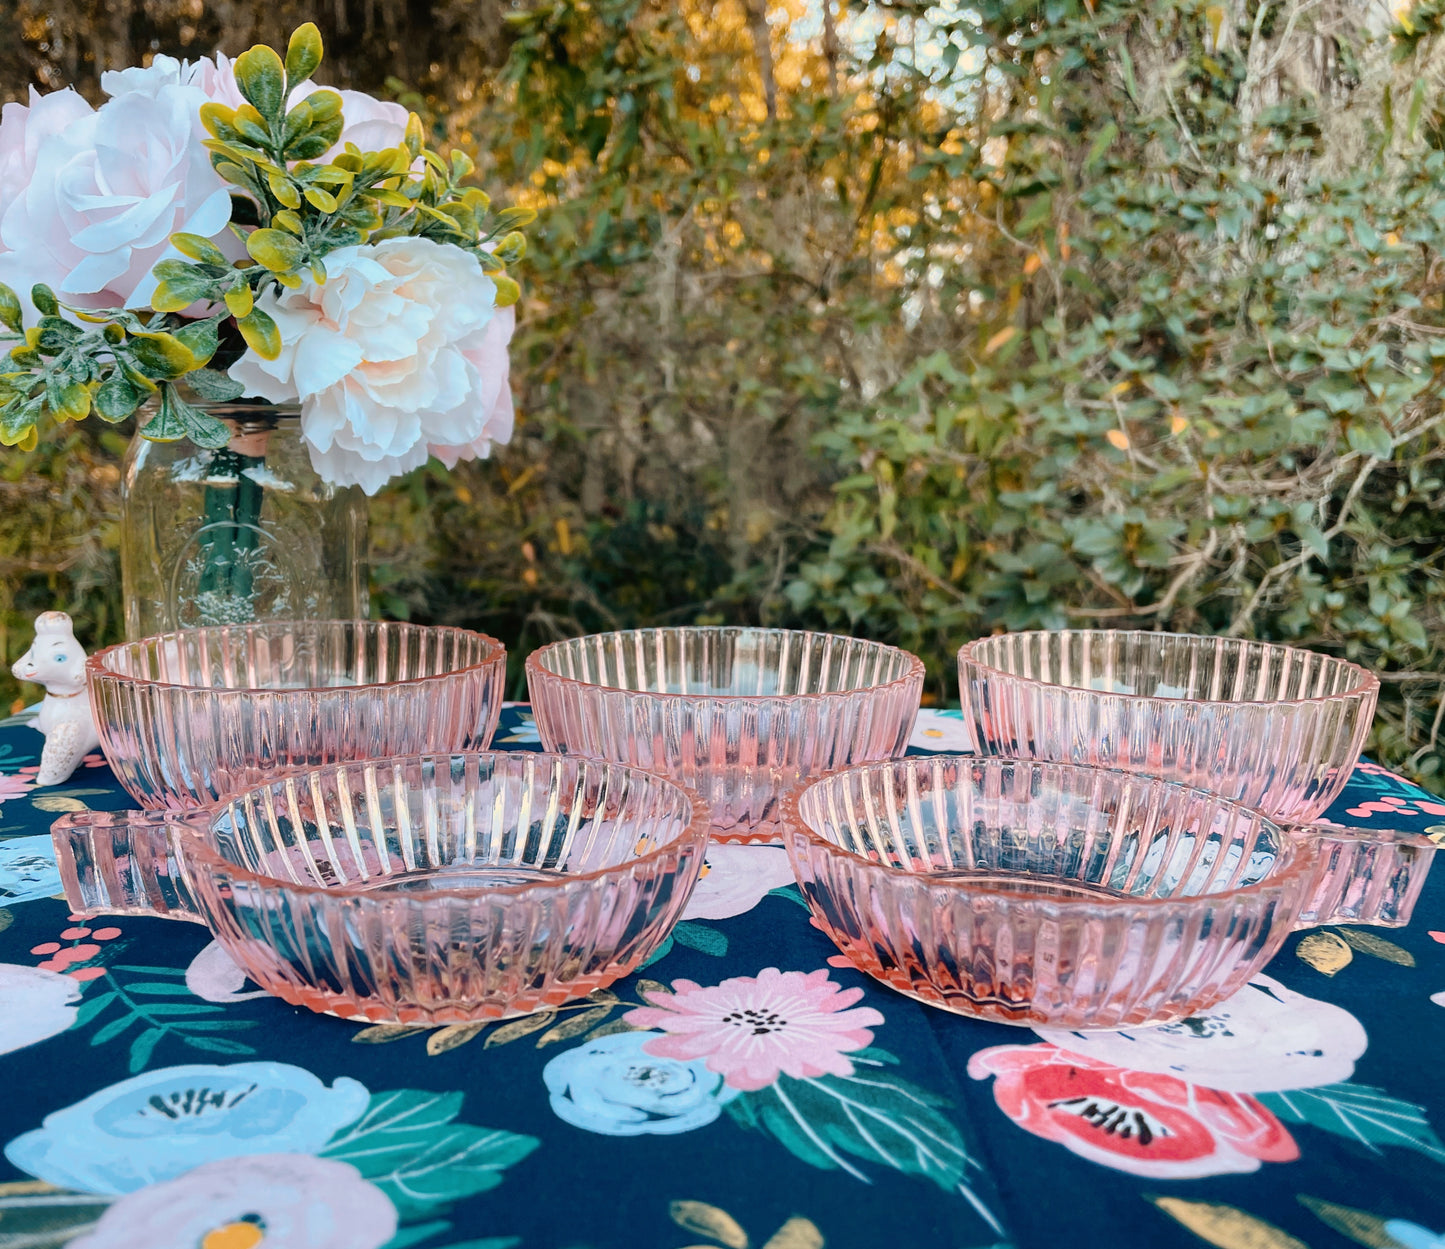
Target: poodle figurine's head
x=55, y=659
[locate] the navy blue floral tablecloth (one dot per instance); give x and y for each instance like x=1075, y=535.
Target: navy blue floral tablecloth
x=151, y=1098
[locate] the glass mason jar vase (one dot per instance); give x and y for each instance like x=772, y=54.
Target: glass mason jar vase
x=247, y=532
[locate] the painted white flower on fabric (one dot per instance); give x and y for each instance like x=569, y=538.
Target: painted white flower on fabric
x=35, y=1005
x=1413, y=1236
x=1265, y=1039
x=214, y=977
x=28, y=870
x=389, y=358
x=159, y=1125
x=940, y=731
x=735, y=879
x=613, y=1086
x=106, y=192
x=291, y=1201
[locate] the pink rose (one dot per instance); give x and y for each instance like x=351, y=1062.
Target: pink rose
x=106, y=191
x=1145, y=1123
x=24, y=128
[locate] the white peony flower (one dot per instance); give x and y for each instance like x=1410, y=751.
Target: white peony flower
x=107, y=191
x=390, y=359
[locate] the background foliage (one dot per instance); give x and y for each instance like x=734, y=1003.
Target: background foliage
x=908, y=320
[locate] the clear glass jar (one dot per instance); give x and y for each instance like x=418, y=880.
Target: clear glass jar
x=249, y=532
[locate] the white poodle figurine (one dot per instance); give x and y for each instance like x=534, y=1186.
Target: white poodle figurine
x=57, y=661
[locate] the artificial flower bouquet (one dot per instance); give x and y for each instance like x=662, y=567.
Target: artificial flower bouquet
x=221, y=229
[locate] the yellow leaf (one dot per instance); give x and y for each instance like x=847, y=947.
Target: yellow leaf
x=303, y=53
x=1214, y=15
x=318, y=198
x=384, y=1033
x=445, y=1039
x=1118, y=439
x=1177, y=424
x=1225, y=1226
x=28, y=1188
x=575, y=1026
x=7, y=917
x=518, y=1028
x=1356, y=1224
x=508, y=292
x=50, y=802
x=999, y=339
x=1392, y=239
x=796, y=1233
x=1031, y=265
x=698, y=1216
x=645, y=986
x=284, y=190
x=261, y=334
x=239, y=301
x=1325, y=952
x=1377, y=947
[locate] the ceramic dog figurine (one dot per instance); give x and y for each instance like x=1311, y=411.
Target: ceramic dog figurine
x=57, y=661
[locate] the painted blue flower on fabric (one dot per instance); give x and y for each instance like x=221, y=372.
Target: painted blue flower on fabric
x=609, y=1085
x=1413, y=1236
x=27, y=869
x=159, y=1125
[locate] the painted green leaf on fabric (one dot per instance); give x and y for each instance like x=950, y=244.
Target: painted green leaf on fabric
x=407, y=1145
x=871, y=1115
x=701, y=938
x=1359, y=1113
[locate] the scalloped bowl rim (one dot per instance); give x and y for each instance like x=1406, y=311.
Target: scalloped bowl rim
x=696, y=830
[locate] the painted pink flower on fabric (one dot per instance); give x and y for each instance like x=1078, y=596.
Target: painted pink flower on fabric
x=752, y=1029
x=15, y=786
x=1145, y=1123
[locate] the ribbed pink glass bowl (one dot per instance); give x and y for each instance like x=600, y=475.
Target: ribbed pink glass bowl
x=1041, y=893
x=1273, y=727
x=429, y=890
x=187, y=717
x=739, y=715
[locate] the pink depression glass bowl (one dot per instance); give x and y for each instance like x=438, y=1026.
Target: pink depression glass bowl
x=1077, y=897
x=739, y=715
x=1275, y=728
x=429, y=890
x=187, y=717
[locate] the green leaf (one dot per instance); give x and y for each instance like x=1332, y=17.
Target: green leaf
x=303, y=54
x=200, y=427
x=197, y=248
x=701, y=938
x=1101, y=144
x=275, y=249
x=1370, y=438
x=162, y=357
x=217, y=1045
x=512, y=247
x=1369, y=1116
x=872, y=1115
x=407, y=1145
x=142, y=1048
x=44, y=300
x=214, y=387
x=508, y=292
x=512, y=218
x=240, y=301
x=10, y=313
x=200, y=338
x=91, y=1007
x=261, y=334
x=114, y=1028
x=261, y=78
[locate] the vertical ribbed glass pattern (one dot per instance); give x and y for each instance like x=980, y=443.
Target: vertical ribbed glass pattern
x=1273, y=727
x=429, y=890
x=1039, y=893
x=739, y=715
x=187, y=717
